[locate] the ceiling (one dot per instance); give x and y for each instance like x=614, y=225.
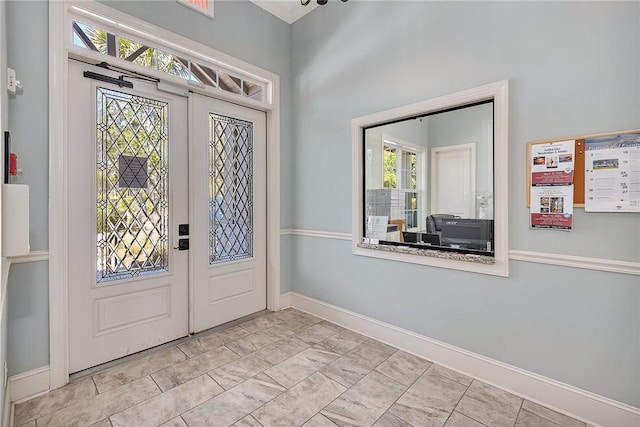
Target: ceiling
x=287, y=10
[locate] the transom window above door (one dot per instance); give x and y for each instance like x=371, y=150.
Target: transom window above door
x=128, y=44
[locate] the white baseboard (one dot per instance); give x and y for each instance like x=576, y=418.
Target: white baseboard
x=561, y=397
x=29, y=384
x=285, y=300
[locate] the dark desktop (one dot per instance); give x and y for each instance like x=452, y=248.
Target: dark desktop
x=450, y=231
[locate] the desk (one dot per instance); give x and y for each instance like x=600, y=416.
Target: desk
x=435, y=239
x=422, y=237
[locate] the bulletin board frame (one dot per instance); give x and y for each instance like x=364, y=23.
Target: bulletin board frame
x=578, y=176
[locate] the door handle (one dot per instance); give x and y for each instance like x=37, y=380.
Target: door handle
x=183, y=245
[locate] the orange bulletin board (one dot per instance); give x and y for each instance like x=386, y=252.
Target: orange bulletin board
x=578, y=177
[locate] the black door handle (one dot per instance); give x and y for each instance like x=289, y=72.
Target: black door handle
x=183, y=245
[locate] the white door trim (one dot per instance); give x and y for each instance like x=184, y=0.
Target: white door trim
x=58, y=166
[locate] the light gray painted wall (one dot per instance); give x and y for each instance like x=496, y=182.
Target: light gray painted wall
x=27, y=316
x=573, y=68
x=28, y=54
x=240, y=28
x=27, y=293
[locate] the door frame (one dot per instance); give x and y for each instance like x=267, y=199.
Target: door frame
x=59, y=54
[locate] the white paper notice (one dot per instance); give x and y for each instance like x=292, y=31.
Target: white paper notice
x=612, y=174
x=377, y=227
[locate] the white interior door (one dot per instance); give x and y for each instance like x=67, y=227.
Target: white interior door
x=128, y=181
x=453, y=180
x=228, y=211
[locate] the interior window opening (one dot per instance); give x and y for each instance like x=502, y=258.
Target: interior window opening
x=429, y=181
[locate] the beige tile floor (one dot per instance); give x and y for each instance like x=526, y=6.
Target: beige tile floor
x=280, y=369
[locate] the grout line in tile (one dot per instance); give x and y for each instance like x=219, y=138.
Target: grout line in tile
x=220, y=385
x=262, y=425
x=405, y=392
x=519, y=410
x=462, y=397
x=182, y=351
x=157, y=385
x=287, y=389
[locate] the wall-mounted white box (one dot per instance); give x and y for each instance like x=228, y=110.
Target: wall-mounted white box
x=15, y=220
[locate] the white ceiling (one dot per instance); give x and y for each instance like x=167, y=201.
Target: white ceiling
x=287, y=10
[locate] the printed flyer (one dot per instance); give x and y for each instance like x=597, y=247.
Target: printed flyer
x=552, y=207
x=552, y=170
x=553, y=163
x=612, y=174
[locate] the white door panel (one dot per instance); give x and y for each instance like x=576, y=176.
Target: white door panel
x=228, y=211
x=453, y=180
x=128, y=287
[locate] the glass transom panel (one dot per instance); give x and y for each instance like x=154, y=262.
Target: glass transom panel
x=132, y=185
x=108, y=43
x=230, y=189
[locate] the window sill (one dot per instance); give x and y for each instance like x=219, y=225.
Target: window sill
x=480, y=259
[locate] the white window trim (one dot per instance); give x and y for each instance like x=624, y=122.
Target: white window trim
x=59, y=53
x=499, y=92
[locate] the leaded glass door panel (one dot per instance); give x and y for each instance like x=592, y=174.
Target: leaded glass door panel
x=228, y=192
x=128, y=191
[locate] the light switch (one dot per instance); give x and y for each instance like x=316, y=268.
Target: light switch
x=11, y=81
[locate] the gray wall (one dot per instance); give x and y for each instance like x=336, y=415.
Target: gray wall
x=28, y=314
x=27, y=293
x=240, y=28
x=573, y=68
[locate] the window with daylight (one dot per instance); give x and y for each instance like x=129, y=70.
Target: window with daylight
x=119, y=46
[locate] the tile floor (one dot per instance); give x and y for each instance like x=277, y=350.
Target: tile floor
x=280, y=369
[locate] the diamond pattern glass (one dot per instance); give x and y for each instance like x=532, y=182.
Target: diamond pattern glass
x=132, y=185
x=230, y=189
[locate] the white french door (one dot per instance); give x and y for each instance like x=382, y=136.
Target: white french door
x=228, y=211
x=152, y=172
x=127, y=194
